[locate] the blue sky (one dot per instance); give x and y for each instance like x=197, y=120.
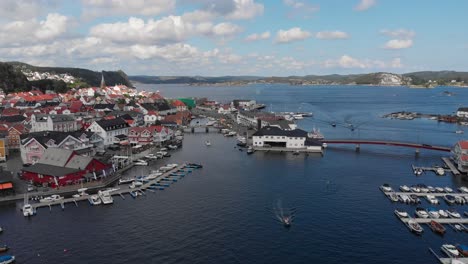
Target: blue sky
x=237, y=37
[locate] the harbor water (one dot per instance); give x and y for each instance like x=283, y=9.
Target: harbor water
x=222, y=213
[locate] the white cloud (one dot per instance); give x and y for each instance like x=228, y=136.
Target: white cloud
x=103, y=60
x=300, y=9
x=260, y=36
x=364, y=5
x=399, y=44
x=294, y=3
x=331, y=35
x=169, y=29
x=290, y=35
x=54, y=25
x=396, y=63
x=348, y=62
x=399, y=33
x=246, y=9
x=24, y=9
x=98, y=8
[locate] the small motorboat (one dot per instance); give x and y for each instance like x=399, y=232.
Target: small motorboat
x=405, y=198
x=400, y=213
x=424, y=189
x=421, y=212
x=94, y=200
x=5, y=248
x=415, y=189
x=126, y=181
x=449, y=199
x=295, y=153
x=414, y=226
x=140, y=162
x=7, y=259
x=194, y=165
x=432, y=199
x=415, y=198
x=452, y=213
x=324, y=145
x=405, y=188
x=440, y=171
x=431, y=189
x=52, y=198
x=28, y=210
x=459, y=200
x=287, y=220
x=250, y=150
x=333, y=124
x=462, y=249
x=386, y=187
x=439, y=189
x=463, y=189
x=173, y=147
x=437, y=227
x=135, y=184
x=134, y=194
x=433, y=213
x=450, y=250
x=459, y=227
x=105, y=196
x=393, y=197
x=443, y=214
x=448, y=189
x=207, y=143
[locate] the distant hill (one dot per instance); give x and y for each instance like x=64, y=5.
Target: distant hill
x=86, y=77
x=426, y=79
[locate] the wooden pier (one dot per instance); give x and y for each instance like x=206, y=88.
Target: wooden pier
x=451, y=166
x=433, y=169
x=159, y=183
x=421, y=194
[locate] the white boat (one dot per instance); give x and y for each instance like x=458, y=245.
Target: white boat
x=424, y=189
x=415, y=189
x=448, y=189
x=386, y=188
x=459, y=200
x=414, y=226
x=207, y=143
x=151, y=156
x=393, y=197
x=405, y=188
x=140, y=162
x=439, y=189
x=172, y=165
x=421, y=213
x=315, y=134
x=94, y=200
x=250, y=150
x=232, y=133
x=52, y=198
x=431, y=189
x=440, y=171
x=459, y=132
x=7, y=259
x=405, y=198
x=434, y=214
x=154, y=175
x=450, y=250
x=418, y=171
x=28, y=210
x=172, y=147
x=453, y=214
x=135, y=184
x=432, y=199
x=463, y=189
x=324, y=145
x=443, y=214
x=401, y=213
x=126, y=181
x=105, y=196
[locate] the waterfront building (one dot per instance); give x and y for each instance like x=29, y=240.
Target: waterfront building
x=34, y=145
x=140, y=136
x=109, y=129
x=59, y=167
x=243, y=104
x=251, y=119
x=274, y=137
x=44, y=122
x=460, y=155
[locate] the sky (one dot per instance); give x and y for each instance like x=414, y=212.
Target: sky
x=237, y=37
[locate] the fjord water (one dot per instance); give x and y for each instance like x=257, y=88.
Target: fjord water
x=221, y=213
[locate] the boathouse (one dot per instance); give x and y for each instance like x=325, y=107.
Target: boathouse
x=275, y=138
x=59, y=167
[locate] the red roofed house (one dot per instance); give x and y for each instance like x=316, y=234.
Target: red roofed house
x=460, y=153
x=179, y=105
x=180, y=118
x=161, y=134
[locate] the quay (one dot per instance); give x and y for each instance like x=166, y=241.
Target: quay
x=159, y=183
x=451, y=166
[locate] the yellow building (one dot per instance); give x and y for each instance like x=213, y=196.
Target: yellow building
x=3, y=149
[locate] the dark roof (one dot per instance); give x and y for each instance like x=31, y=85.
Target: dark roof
x=464, y=109
x=112, y=124
x=55, y=118
x=6, y=176
x=312, y=142
x=103, y=106
x=284, y=124
x=44, y=136
x=275, y=131
x=12, y=119
x=51, y=170
x=51, y=103
x=124, y=114
x=159, y=105
x=121, y=136
x=25, y=104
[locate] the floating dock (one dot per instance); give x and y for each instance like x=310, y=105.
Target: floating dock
x=446, y=260
x=451, y=166
x=421, y=194
x=159, y=183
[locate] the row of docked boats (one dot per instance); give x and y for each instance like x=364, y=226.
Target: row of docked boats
x=455, y=251
x=422, y=188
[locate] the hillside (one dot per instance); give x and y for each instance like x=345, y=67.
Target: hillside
x=12, y=79
x=425, y=79
x=84, y=77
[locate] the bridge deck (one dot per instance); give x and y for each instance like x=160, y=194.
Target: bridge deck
x=386, y=143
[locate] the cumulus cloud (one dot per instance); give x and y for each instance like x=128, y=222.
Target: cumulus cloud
x=399, y=44
x=25, y=9
x=291, y=35
x=260, y=36
x=300, y=8
x=98, y=8
x=54, y=25
x=364, y=5
x=246, y=9
x=169, y=29
x=349, y=62
x=331, y=35
x=399, y=33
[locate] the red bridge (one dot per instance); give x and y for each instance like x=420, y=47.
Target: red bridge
x=358, y=142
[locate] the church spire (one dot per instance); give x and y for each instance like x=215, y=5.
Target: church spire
x=103, y=83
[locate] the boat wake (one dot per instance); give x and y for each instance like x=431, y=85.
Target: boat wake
x=283, y=215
